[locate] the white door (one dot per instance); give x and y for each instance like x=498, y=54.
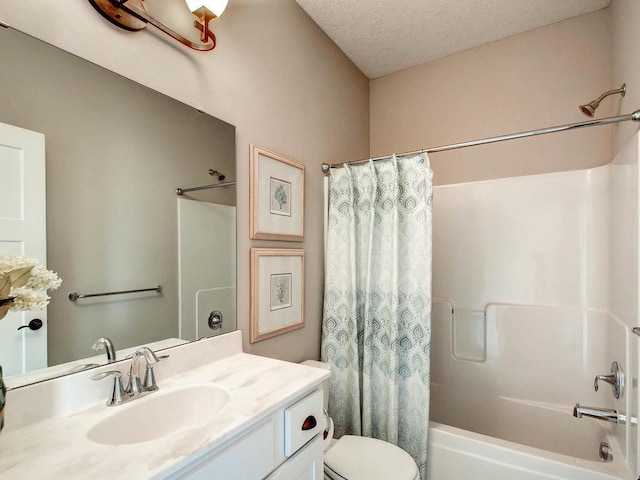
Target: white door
x=22, y=232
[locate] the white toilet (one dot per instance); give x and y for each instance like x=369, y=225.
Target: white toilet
x=362, y=458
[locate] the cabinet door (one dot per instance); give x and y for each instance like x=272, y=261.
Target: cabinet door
x=250, y=458
x=306, y=464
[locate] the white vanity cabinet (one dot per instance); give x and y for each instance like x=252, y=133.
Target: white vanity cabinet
x=269, y=427
x=286, y=446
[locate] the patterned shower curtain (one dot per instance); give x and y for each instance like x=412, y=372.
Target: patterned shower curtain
x=376, y=330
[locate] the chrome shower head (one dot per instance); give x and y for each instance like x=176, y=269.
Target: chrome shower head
x=589, y=109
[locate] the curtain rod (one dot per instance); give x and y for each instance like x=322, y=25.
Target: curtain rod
x=635, y=116
x=182, y=191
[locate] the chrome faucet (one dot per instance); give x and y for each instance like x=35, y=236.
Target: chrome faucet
x=104, y=343
x=605, y=414
x=136, y=387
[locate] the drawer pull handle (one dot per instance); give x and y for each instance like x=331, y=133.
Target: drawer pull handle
x=309, y=423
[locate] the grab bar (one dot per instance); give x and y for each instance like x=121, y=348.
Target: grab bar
x=73, y=296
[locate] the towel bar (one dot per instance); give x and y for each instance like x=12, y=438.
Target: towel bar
x=73, y=296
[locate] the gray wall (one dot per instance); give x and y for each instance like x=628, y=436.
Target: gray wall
x=115, y=152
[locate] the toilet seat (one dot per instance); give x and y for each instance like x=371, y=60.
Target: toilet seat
x=362, y=458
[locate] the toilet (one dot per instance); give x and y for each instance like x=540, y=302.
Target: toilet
x=361, y=458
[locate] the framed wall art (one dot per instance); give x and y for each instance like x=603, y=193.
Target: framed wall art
x=277, y=292
x=276, y=196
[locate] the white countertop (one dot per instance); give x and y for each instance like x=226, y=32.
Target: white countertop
x=58, y=448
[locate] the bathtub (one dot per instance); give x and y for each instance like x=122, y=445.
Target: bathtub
x=512, y=439
x=509, y=416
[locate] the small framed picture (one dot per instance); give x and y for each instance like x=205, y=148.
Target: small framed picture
x=276, y=196
x=280, y=196
x=280, y=291
x=277, y=292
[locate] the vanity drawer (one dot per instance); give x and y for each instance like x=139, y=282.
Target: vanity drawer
x=302, y=421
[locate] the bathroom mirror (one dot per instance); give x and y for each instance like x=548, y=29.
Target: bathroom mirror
x=115, y=153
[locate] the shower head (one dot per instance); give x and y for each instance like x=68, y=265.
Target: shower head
x=590, y=108
x=214, y=173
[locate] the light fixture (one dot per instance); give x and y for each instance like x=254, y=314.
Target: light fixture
x=206, y=10
x=134, y=15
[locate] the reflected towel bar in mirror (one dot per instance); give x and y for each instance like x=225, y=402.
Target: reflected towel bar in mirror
x=73, y=296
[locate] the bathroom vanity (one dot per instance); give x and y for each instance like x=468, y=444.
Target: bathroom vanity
x=219, y=413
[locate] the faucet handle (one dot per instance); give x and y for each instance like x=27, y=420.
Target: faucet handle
x=610, y=379
x=118, y=394
x=615, y=379
x=149, y=383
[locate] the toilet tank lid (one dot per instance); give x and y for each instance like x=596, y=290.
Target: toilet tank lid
x=362, y=458
x=317, y=364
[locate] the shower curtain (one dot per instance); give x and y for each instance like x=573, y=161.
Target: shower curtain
x=376, y=329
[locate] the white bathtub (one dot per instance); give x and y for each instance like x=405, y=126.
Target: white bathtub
x=463, y=455
x=459, y=454
x=486, y=425
x=479, y=437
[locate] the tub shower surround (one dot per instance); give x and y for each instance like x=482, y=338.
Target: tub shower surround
x=535, y=297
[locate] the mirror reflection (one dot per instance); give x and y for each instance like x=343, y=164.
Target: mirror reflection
x=114, y=154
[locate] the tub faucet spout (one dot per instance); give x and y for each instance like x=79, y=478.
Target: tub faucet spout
x=605, y=414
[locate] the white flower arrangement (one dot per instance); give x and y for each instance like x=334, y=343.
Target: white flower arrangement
x=24, y=284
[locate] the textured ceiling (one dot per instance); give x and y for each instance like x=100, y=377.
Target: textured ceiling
x=384, y=36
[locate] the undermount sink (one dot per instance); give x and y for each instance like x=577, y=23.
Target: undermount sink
x=159, y=414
